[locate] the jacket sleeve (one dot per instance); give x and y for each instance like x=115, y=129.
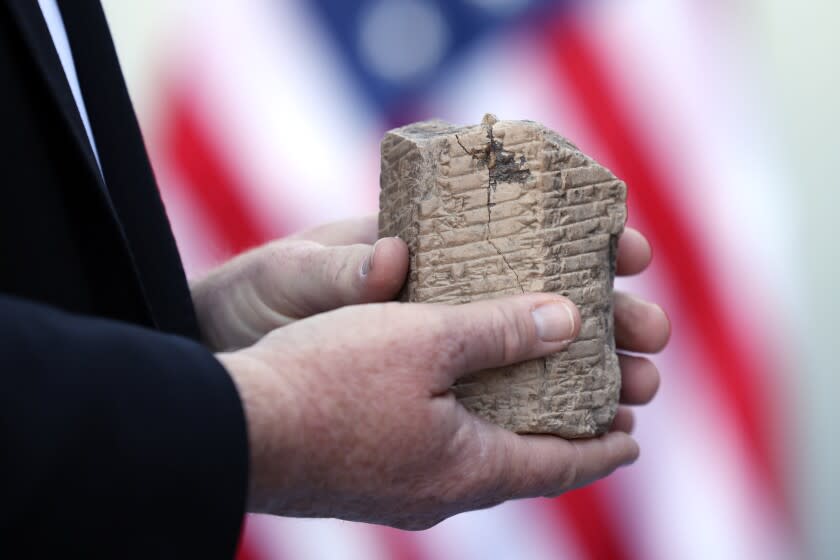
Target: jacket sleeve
x=115, y=441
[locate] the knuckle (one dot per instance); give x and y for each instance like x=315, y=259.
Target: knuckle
x=524, y=478
x=510, y=334
x=391, y=320
x=498, y=334
x=302, y=255
x=414, y=333
x=477, y=483
x=448, y=340
x=287, y=249
x=567, y=475
x=495, y=482
x=338, y=265
x=487, y=470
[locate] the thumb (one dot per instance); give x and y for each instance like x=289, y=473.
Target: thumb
x=309, y=278
x=497, y=332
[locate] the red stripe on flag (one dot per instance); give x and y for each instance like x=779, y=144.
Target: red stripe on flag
x=204, y=170
x=587, y=513
x=735, y=373
x=400, y=545
x=248, y=548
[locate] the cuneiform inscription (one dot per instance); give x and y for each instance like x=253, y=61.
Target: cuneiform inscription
x=507, y=207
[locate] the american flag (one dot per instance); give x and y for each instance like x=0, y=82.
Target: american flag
x=269, y=121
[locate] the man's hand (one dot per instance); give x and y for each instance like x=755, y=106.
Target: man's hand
x=350, y=413
x=315, y=271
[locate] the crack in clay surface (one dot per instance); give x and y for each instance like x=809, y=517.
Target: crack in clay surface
x=501, y=162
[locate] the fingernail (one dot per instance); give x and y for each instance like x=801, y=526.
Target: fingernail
x=367, y=263
x=554, y=321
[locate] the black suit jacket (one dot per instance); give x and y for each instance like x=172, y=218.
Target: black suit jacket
x=120, y=434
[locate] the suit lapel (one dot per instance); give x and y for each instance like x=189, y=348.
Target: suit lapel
x=130, y=198
x=33, y=28
x=125, y=165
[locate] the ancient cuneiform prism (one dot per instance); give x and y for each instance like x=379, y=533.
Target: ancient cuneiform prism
x=503, y=208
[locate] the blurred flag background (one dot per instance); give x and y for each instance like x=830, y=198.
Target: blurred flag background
x=264, y=117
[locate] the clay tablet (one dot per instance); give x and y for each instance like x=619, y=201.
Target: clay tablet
x=507, y=207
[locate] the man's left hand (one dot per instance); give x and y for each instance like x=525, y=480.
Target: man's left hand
x=318, y=270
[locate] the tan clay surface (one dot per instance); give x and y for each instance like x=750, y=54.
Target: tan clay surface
x=504, y=208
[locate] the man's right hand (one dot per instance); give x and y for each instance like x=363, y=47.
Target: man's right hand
x=350, y=413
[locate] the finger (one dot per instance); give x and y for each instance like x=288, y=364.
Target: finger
x=544, y=465
x=599, y=457
x=364, y=229
x=640, y=326
x=639, y=379
x=495, y=333
x=624, y=420
x=634, y=253
x=312, y=278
